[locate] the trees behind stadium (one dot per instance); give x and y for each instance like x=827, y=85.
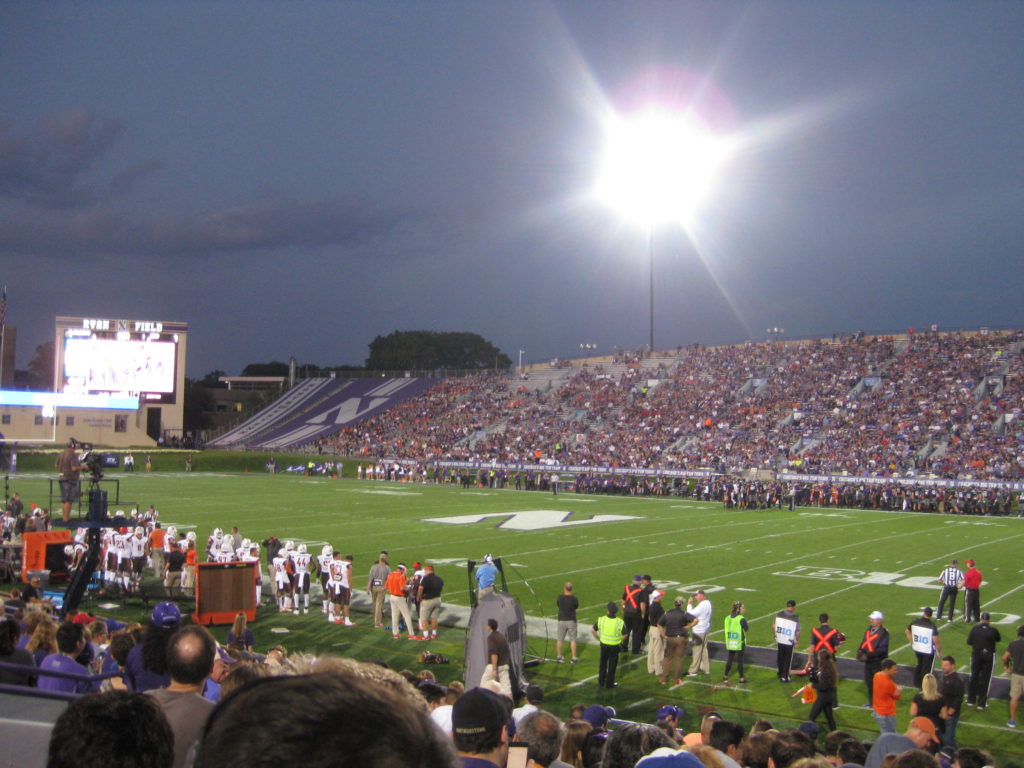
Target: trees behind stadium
x=433, y=350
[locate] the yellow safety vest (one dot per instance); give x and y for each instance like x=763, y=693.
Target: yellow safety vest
x=610, y=629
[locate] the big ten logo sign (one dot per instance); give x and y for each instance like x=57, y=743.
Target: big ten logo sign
x=859, y=577
x=882, y=578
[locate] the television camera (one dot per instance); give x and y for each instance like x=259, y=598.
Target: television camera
x=90, y=459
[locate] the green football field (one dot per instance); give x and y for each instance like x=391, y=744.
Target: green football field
x=843, y=562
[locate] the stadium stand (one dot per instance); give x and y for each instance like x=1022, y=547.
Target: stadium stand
x=932, y=403
x=295, y=400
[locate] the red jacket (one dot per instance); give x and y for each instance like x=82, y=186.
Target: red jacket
x=972, y=579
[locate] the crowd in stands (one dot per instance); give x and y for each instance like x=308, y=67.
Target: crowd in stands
x=937, y=404
x=172, y=695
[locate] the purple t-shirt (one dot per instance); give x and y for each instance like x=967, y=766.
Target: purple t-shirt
x=58, y=662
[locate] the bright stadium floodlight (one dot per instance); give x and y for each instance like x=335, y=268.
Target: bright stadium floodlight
x=658, y=166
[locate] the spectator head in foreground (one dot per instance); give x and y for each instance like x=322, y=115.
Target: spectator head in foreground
x=116, y=728
x=190, y=655
x=269, y=722
x=544, y=733
x=626, y=745
x=480, y=725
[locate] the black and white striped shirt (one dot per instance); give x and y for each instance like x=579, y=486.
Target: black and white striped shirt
x=951, y=576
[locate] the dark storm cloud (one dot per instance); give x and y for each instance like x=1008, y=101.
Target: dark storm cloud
x=59, y=203
x=238, y=229
x=50, y=166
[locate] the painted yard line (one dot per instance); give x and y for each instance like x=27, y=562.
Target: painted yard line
x=678, y=553
x=638, y=703
x=1005, y=594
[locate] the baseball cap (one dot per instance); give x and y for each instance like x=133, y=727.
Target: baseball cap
x=596, y=714
x=926, y=725
x=666, y=757
x=927, y=610
x=534, y=694
x=670, y=710
x=953, y=561
x=986, y=616
x=656, y=594
x=680, y=601
x=402, y=566
x=479, y=711
x=876, y=615
x=417, y=566
x=166, y=615
x=638, y=577
x=223, y=655
x=969, y=562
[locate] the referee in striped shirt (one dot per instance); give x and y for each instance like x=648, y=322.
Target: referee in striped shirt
x=951, y=579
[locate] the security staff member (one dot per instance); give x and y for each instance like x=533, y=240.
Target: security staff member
x=634, y=613
x=873, y=650
x=787, y=635
x=951, y=579
x=610, y=631
x=982, y=639
x=825, y=637
x=736, y=628
x=972, y=593
x=924, y=639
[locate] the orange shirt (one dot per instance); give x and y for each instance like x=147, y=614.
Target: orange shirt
x=156, y=538
x=885, y=692
x=190, y=557
x=396, y=582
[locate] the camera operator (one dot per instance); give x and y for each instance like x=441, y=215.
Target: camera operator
x=69, y=467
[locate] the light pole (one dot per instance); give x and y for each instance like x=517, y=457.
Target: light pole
x=650, y=252
x=657, y=167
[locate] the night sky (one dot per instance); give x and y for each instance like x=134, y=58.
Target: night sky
x=298, y=178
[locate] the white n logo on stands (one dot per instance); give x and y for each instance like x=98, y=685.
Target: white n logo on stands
x=532, y=520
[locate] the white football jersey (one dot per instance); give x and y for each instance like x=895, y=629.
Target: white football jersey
x=138, y=546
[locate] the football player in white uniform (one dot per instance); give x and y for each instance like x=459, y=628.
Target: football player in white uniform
x=301, y=560
x=109, y=562
x=340, y=585
x=283, y=580
x=213, y=543
x=253, y=556
x=139, y=546
x=73, y=555
x=323, y=564
x=122, y=542
x=226, y=553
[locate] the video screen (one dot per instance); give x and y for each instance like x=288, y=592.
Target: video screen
x=109, y=365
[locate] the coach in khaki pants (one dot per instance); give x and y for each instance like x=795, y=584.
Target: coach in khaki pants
x=655, y=636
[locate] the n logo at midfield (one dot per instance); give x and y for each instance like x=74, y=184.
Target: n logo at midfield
x=532, y=520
